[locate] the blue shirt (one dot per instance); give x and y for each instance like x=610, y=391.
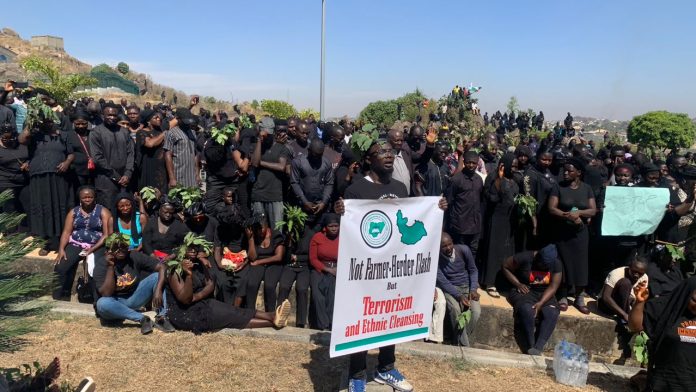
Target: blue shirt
x=457, y=271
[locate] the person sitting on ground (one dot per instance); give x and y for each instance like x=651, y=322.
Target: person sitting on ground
x=194, y=308
x=83, y=234
x=129, y=220
x=616, y=297
x=229, y=250
x=535, y=277
x=127, y=281
x=669, y=322
x=165, y=233
x=457, y=276
x=664, y=272
x=323, y=255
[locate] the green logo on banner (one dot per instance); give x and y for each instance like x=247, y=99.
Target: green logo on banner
x=410, y=235
x=376, y=229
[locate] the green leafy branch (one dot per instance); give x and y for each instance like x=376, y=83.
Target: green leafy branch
x=640, y=348
x=526, y=205
x=294, y=222
x=676, y=252
x=222, y=135
x=361, y=140
x=115, y=240
x=47, y=75
x=38, y=111
x=148, y=194
x=190, y=241
x=187, y=196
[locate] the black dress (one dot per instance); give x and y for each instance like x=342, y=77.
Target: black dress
x=50, y=193
x=500, y=220
x=573, y=240
x=168, y=242
x=150, y=160
x=207, y=314
x=14, y=179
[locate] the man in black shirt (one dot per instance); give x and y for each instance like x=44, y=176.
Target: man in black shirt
x=270, y=159
x=113, y=152
x=377, y=185
x=465, y=198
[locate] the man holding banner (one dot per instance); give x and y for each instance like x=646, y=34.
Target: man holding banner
x=386, y=270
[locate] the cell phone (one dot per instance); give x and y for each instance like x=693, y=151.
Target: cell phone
x=20, y=84
x=83, y=253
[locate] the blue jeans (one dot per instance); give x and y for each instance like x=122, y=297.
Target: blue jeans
x=120, y=308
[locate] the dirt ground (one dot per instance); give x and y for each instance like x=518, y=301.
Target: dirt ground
x=120, y=359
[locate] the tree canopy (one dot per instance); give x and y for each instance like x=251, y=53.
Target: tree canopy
x=122, y=68
x=662, y=129
x=278, y=109
x=45, y=74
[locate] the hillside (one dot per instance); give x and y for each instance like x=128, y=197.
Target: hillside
x=150, y=91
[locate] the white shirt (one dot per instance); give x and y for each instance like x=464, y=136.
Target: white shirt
x=401, y=172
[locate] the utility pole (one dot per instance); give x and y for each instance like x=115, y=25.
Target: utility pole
x=323, y=55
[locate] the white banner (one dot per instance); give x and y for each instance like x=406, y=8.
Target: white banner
x=387, y=265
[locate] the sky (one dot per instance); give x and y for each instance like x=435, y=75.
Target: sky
x=606, y=59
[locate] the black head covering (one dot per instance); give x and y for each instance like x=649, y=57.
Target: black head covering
x=329, y=218
x=79, y=114
x=146, y=115
x=649, y=168
x=134, y=233
x=506, y=160
x=577, y=163
x=688, y=172
x=524, y=150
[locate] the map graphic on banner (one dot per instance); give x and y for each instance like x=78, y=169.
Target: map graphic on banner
x=388, y=254
x=633, y=211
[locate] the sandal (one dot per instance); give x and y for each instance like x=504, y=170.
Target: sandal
x=493, y=292
x=563, y=305
x=282, y=314
x=580, y=304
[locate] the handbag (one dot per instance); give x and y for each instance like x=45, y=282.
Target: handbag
x=85, y=286
x=90, y=162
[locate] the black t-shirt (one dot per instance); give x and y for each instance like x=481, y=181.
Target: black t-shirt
x=675, y=361
x=230, y=236
x=269, y=183
x=128, y=274
x=219, y=159
x=10, y=161
x=362, y=188
x=536, y=280
x=569, y=198
x=207, y=230
x=276, y=239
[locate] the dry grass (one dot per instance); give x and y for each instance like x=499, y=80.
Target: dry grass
x=120, y=359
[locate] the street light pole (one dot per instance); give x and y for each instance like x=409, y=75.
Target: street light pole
x=323, y=55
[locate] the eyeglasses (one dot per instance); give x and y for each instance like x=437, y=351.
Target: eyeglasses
x=385, y=151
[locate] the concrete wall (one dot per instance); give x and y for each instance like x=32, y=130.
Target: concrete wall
x=47, y=41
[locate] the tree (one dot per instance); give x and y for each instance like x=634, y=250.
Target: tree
x=45, y=74
x=278, y=109
x=17, y=288
x=379, y=113
x=255, y=104
x=122, y=68
x=209, y=100
x=662, y=129
x=512, y=105
x=305, y=113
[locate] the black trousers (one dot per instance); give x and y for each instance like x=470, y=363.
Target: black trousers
x=470, y=240
x=66, y=270
x=230, y=285
x=299, y=276
x=385, y=361
x=323, y=292
x=270, y=275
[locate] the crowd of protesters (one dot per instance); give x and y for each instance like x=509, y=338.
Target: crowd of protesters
x=80, y=172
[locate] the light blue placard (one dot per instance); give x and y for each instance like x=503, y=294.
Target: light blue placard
x=632, y=210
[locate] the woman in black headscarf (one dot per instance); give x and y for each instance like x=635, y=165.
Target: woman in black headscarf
x=150, y=153
x=82, y=168
x=500, y=190
x=670, y=323
x=571, y=205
